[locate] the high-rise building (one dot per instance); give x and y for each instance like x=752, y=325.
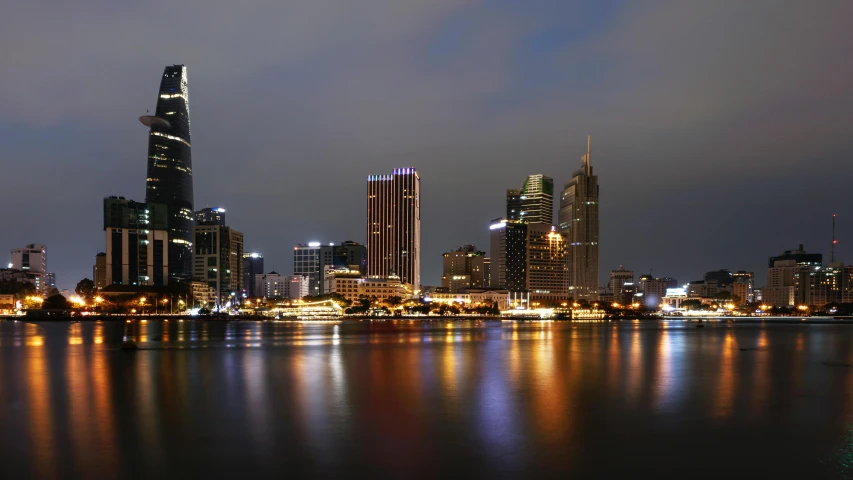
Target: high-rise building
x=346, y=256
x=579, y=222
x=394, y=226
x=253, y=264
x=99, y=271
x=306, y=261
x=618, y=278
x=218, y=260
x=508, y=245
x=210, y=216
x=547, y=276
x=170, y=166
x=533, y=202
x=137, y=243
x=32, y=260
x=529, y=261
x=463, y=268
x=49, y=281
x=786, y=277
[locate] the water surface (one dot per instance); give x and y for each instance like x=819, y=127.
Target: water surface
x=425, y=399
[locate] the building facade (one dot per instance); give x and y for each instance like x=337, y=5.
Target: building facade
x=547, y=275
x=533, y=202
x=169, y=180
x=463, y=268
x=578, y=220
x=210, y=216
x=137, y=243
x=218, y=260
x=306, y=261
x=99, y=270
x=253, y=264
x=508, y=244
x=394, y=226
x=618, y=278
x=32, y=260
x=784, y=274
x=346, y=256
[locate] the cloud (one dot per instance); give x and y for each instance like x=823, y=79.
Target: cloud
x=294, y=103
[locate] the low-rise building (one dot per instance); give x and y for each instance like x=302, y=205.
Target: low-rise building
x=382, y=288
x=473, y=297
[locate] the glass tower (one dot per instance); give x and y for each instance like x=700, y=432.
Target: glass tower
x=170, y=179
x=579, y=223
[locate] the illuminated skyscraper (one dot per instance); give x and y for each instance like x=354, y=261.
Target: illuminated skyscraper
x=169, y=179
x=533, y=202
x=394, y=226
x=579, y=222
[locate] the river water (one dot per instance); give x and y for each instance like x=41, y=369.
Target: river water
x=425, y=399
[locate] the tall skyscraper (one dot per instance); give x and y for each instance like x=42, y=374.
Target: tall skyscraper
x=253, y=264
x=533, y=202
x=579, y=222
x=170, y=166
x=394, y=226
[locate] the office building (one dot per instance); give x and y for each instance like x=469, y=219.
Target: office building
x=394, y=226
x=578, y=219
x=210, y=216
x=529, y=261
x=463, y=268
x=32, y=260
x=49, y=281
x=169, y=180
x=533, y=202
x=547, y=275
x=346, y=256
x=620, y=277
x=137, y=243
x=218, y=260
x=253, y=264
x=508, y=245
x=99, y=271
x=306, y=261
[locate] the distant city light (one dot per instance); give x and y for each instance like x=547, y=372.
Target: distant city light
x=220, y=210
x=313, y=244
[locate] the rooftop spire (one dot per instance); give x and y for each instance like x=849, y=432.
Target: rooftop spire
x=586, y=158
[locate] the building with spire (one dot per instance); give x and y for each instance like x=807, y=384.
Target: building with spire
x=533, y=202
x=578, y=219
x=169, y=181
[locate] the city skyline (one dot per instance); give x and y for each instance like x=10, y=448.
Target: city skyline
x=695, y=151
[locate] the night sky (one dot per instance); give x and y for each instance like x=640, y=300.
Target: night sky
x=722, y=132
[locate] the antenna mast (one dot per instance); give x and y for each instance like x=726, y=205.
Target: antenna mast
x=834, y=241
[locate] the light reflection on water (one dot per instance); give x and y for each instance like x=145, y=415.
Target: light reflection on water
x=438, y=398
